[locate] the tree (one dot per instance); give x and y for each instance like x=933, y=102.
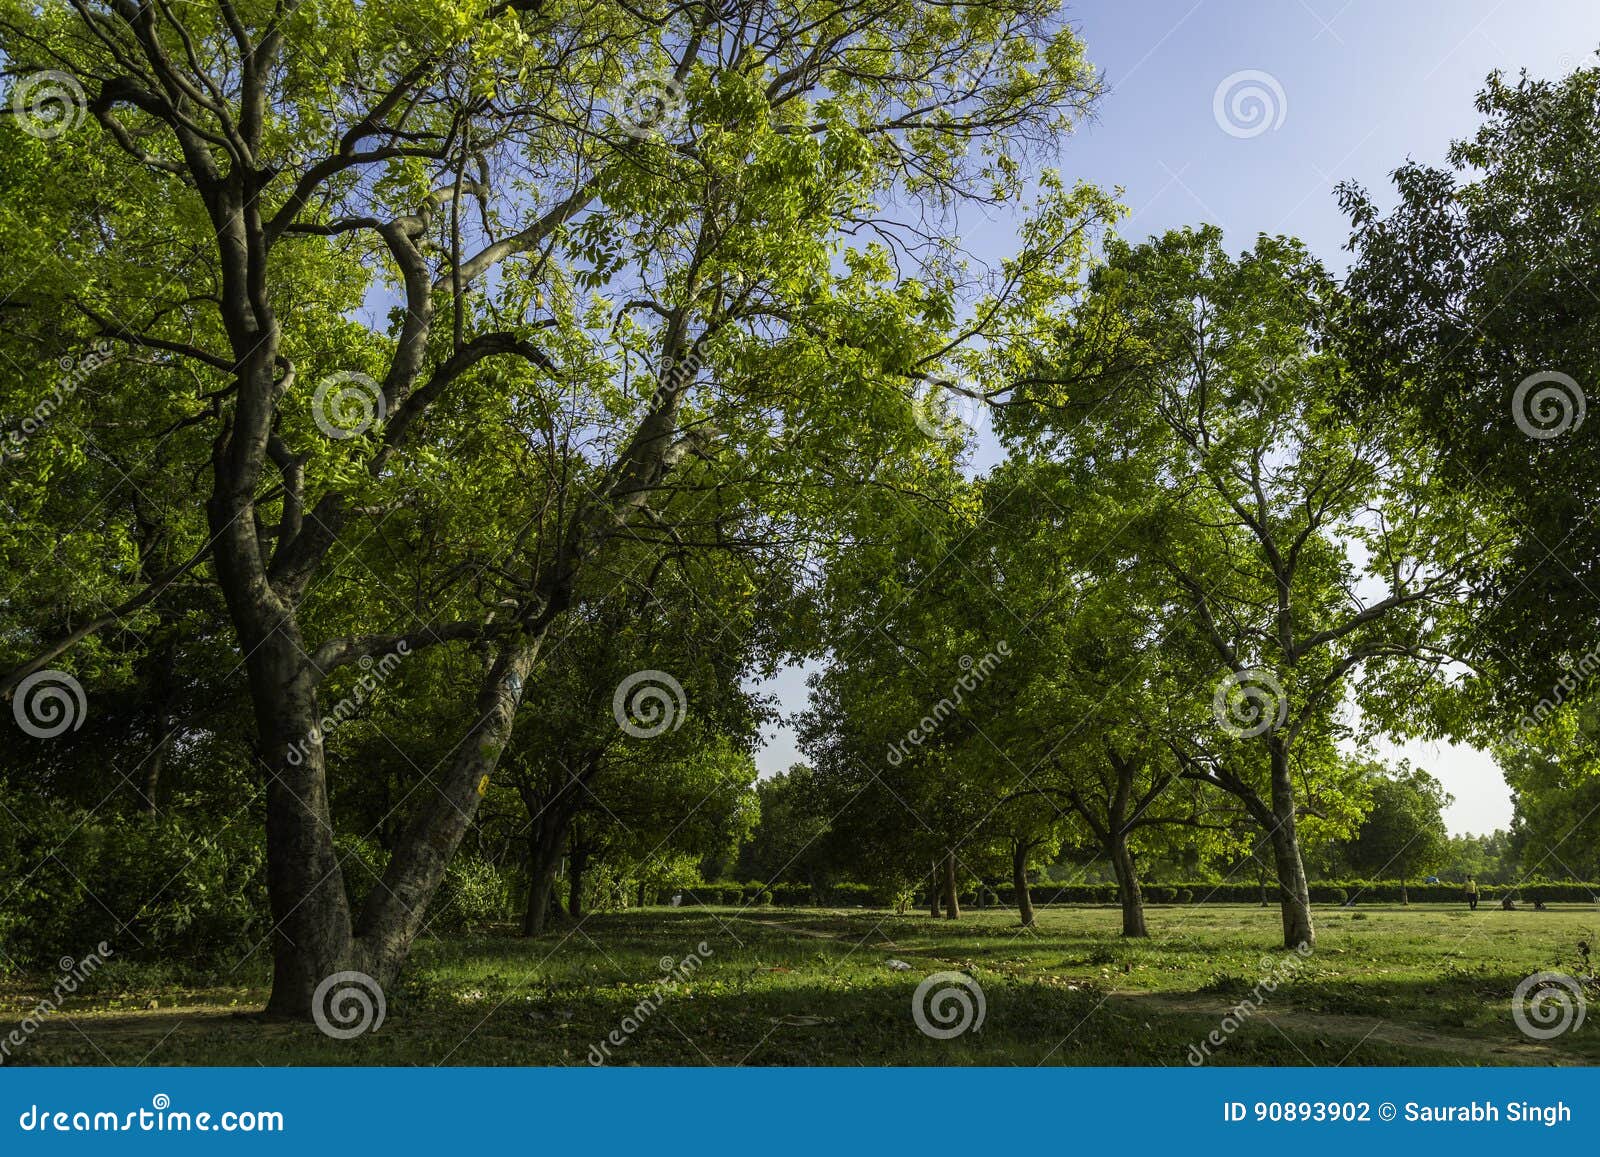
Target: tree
x=1300, y=551
x=642, y=695
x=896, y=727
x=587, y=298
x=1102, y=702
x=1404, y=834
x=1471, y=318
x=1553, y=770
x=790, y=837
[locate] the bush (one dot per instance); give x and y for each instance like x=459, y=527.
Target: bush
x=790, y=895
x=848, y=893
x=474, y=892
x=147, y=886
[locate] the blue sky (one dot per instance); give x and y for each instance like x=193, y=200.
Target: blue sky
x=1353, y=88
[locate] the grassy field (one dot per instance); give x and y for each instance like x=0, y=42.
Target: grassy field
x=1386, y=985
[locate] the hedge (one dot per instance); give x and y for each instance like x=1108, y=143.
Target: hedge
x=1194, y=892
x=845, y=895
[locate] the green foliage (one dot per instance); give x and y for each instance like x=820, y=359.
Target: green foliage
x=152, y=888
x=1472, y=286
x=1403, y=836
x=475, y=893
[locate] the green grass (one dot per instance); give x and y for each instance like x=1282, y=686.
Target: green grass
x=1386, y=985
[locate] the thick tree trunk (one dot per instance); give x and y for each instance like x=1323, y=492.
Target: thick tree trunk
x=305, y=886
x=952, y=902
x=1019, y=883
x=1127, y=886
x=1294, y=891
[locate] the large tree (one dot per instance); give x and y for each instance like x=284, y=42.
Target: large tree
x=611, y=237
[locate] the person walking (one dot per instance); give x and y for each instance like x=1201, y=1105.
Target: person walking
x=1472, y=894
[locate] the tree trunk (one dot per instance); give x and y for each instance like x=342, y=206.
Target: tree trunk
x=395, y=909
x=1405, y=896
x=577, y=862
x=305, y=886
x=1127, y=886
x=541, y=887
x=164, y=704
x=1019, y=883
x=952, y=902
x=546, y=843
x=641, y=893
x=1294, y=892
x=935, y=883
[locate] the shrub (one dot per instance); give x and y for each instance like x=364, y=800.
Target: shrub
x=148, y=886
x=474, y=892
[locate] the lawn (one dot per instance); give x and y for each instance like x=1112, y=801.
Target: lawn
x=1386, y=985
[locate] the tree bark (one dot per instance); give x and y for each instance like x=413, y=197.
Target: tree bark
x=576, y=862
x=395, y=909
x=952, y=902
x=163, y=694
x=546, y=842
x=541, y=886
x=1128, y=890
x=1294, y=891
x=305, y=886
x=935, y=884
x=1278, y=821
x=1019, y=882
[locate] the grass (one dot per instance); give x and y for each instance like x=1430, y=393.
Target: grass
x=1386, y=985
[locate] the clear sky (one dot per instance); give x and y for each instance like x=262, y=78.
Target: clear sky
x=1350, y=88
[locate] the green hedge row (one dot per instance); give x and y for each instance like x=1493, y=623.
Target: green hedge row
x=1380, y=892
x=790, y=895
x=1233, y=892
x=146, y=886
